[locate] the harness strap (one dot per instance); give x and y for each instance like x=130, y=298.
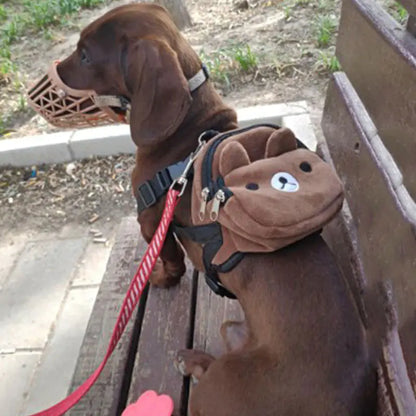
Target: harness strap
x=149, y=192
x=210, y=237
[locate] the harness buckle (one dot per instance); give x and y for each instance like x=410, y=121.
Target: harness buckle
x=147, y=194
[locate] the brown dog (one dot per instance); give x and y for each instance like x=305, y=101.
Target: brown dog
x=302, y=350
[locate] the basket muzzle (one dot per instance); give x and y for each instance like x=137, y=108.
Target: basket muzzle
x=63, y=106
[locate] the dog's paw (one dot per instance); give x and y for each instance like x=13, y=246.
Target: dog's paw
x=165, y=277
x=193, y=363
x=180, y=364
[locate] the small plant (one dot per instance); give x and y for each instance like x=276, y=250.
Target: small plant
x=90, y=3
x=246, y=58
x=7, y=69
x=325, y=27
x=229, y=61
x=399, y=13
x=22, y=104
x=43, y=13
x=219, y=65
x=327, y=62
x=3, y=13
x=3, y=129
x=67, y=7
x=302, y=2
x=325, y=5
x=287, y=10
x=5, y=51
x=12, y=30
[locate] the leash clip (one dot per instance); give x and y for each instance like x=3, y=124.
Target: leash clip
x=180, y=183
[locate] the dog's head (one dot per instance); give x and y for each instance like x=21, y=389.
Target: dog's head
x=136, y=51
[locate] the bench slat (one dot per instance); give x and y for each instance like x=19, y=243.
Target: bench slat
x=166, y=329
x=385, y=230
x=104, y=397
x=386, y=82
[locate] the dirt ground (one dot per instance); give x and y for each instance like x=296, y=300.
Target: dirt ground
x=281, y=34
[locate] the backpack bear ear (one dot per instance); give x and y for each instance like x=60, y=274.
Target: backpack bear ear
x=280, y=141
x=233, y=156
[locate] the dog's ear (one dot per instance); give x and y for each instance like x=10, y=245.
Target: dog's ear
x=279, y=142
x=160, y=92
x=233, y=156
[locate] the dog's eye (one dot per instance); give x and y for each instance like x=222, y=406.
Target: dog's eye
x=84, y=57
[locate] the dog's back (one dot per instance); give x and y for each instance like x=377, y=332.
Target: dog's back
x=306, y=352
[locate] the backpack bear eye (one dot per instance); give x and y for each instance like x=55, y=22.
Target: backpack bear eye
x=285, y=182
x=252, y=186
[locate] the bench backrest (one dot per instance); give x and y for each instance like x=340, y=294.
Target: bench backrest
x=369, y=123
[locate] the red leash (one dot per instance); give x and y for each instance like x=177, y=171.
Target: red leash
x=130, y=301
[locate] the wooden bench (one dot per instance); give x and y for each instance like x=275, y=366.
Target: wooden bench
x=187, y=316
x=369, y=124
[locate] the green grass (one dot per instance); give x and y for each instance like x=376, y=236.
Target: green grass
x=3, y=13
x=398, y=12
x=245, y=57
x=8, y=70
x=325, y=29
x=230, y=61
x=327, y=62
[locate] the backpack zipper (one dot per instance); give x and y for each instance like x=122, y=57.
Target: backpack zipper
x=219, y=199
x=204, y=195
x=206, y=170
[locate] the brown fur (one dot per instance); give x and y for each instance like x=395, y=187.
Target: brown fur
x=302, y=350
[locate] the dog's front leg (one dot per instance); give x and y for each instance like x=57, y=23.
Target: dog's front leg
x=171, y=267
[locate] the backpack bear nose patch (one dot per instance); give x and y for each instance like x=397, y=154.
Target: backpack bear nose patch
x=285, y=182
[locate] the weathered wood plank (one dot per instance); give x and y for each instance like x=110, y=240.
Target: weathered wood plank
x=379, y=58
x=104, y=397
x=383, y=212
x=341, y=236
x=211, y=311
x=166, y=329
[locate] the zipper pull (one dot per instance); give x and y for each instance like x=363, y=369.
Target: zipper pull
x=204, y=195
x=219, y=199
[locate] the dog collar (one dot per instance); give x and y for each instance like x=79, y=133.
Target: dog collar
x=199, y=78
x=119, y=101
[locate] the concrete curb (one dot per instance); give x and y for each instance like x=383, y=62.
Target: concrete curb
x=72, y=145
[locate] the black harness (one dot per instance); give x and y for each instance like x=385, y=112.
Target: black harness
x=208, y=235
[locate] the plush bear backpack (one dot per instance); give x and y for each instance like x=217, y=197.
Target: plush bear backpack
x=257, y=190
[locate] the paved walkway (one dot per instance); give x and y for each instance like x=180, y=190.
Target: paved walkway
x=48, y=284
